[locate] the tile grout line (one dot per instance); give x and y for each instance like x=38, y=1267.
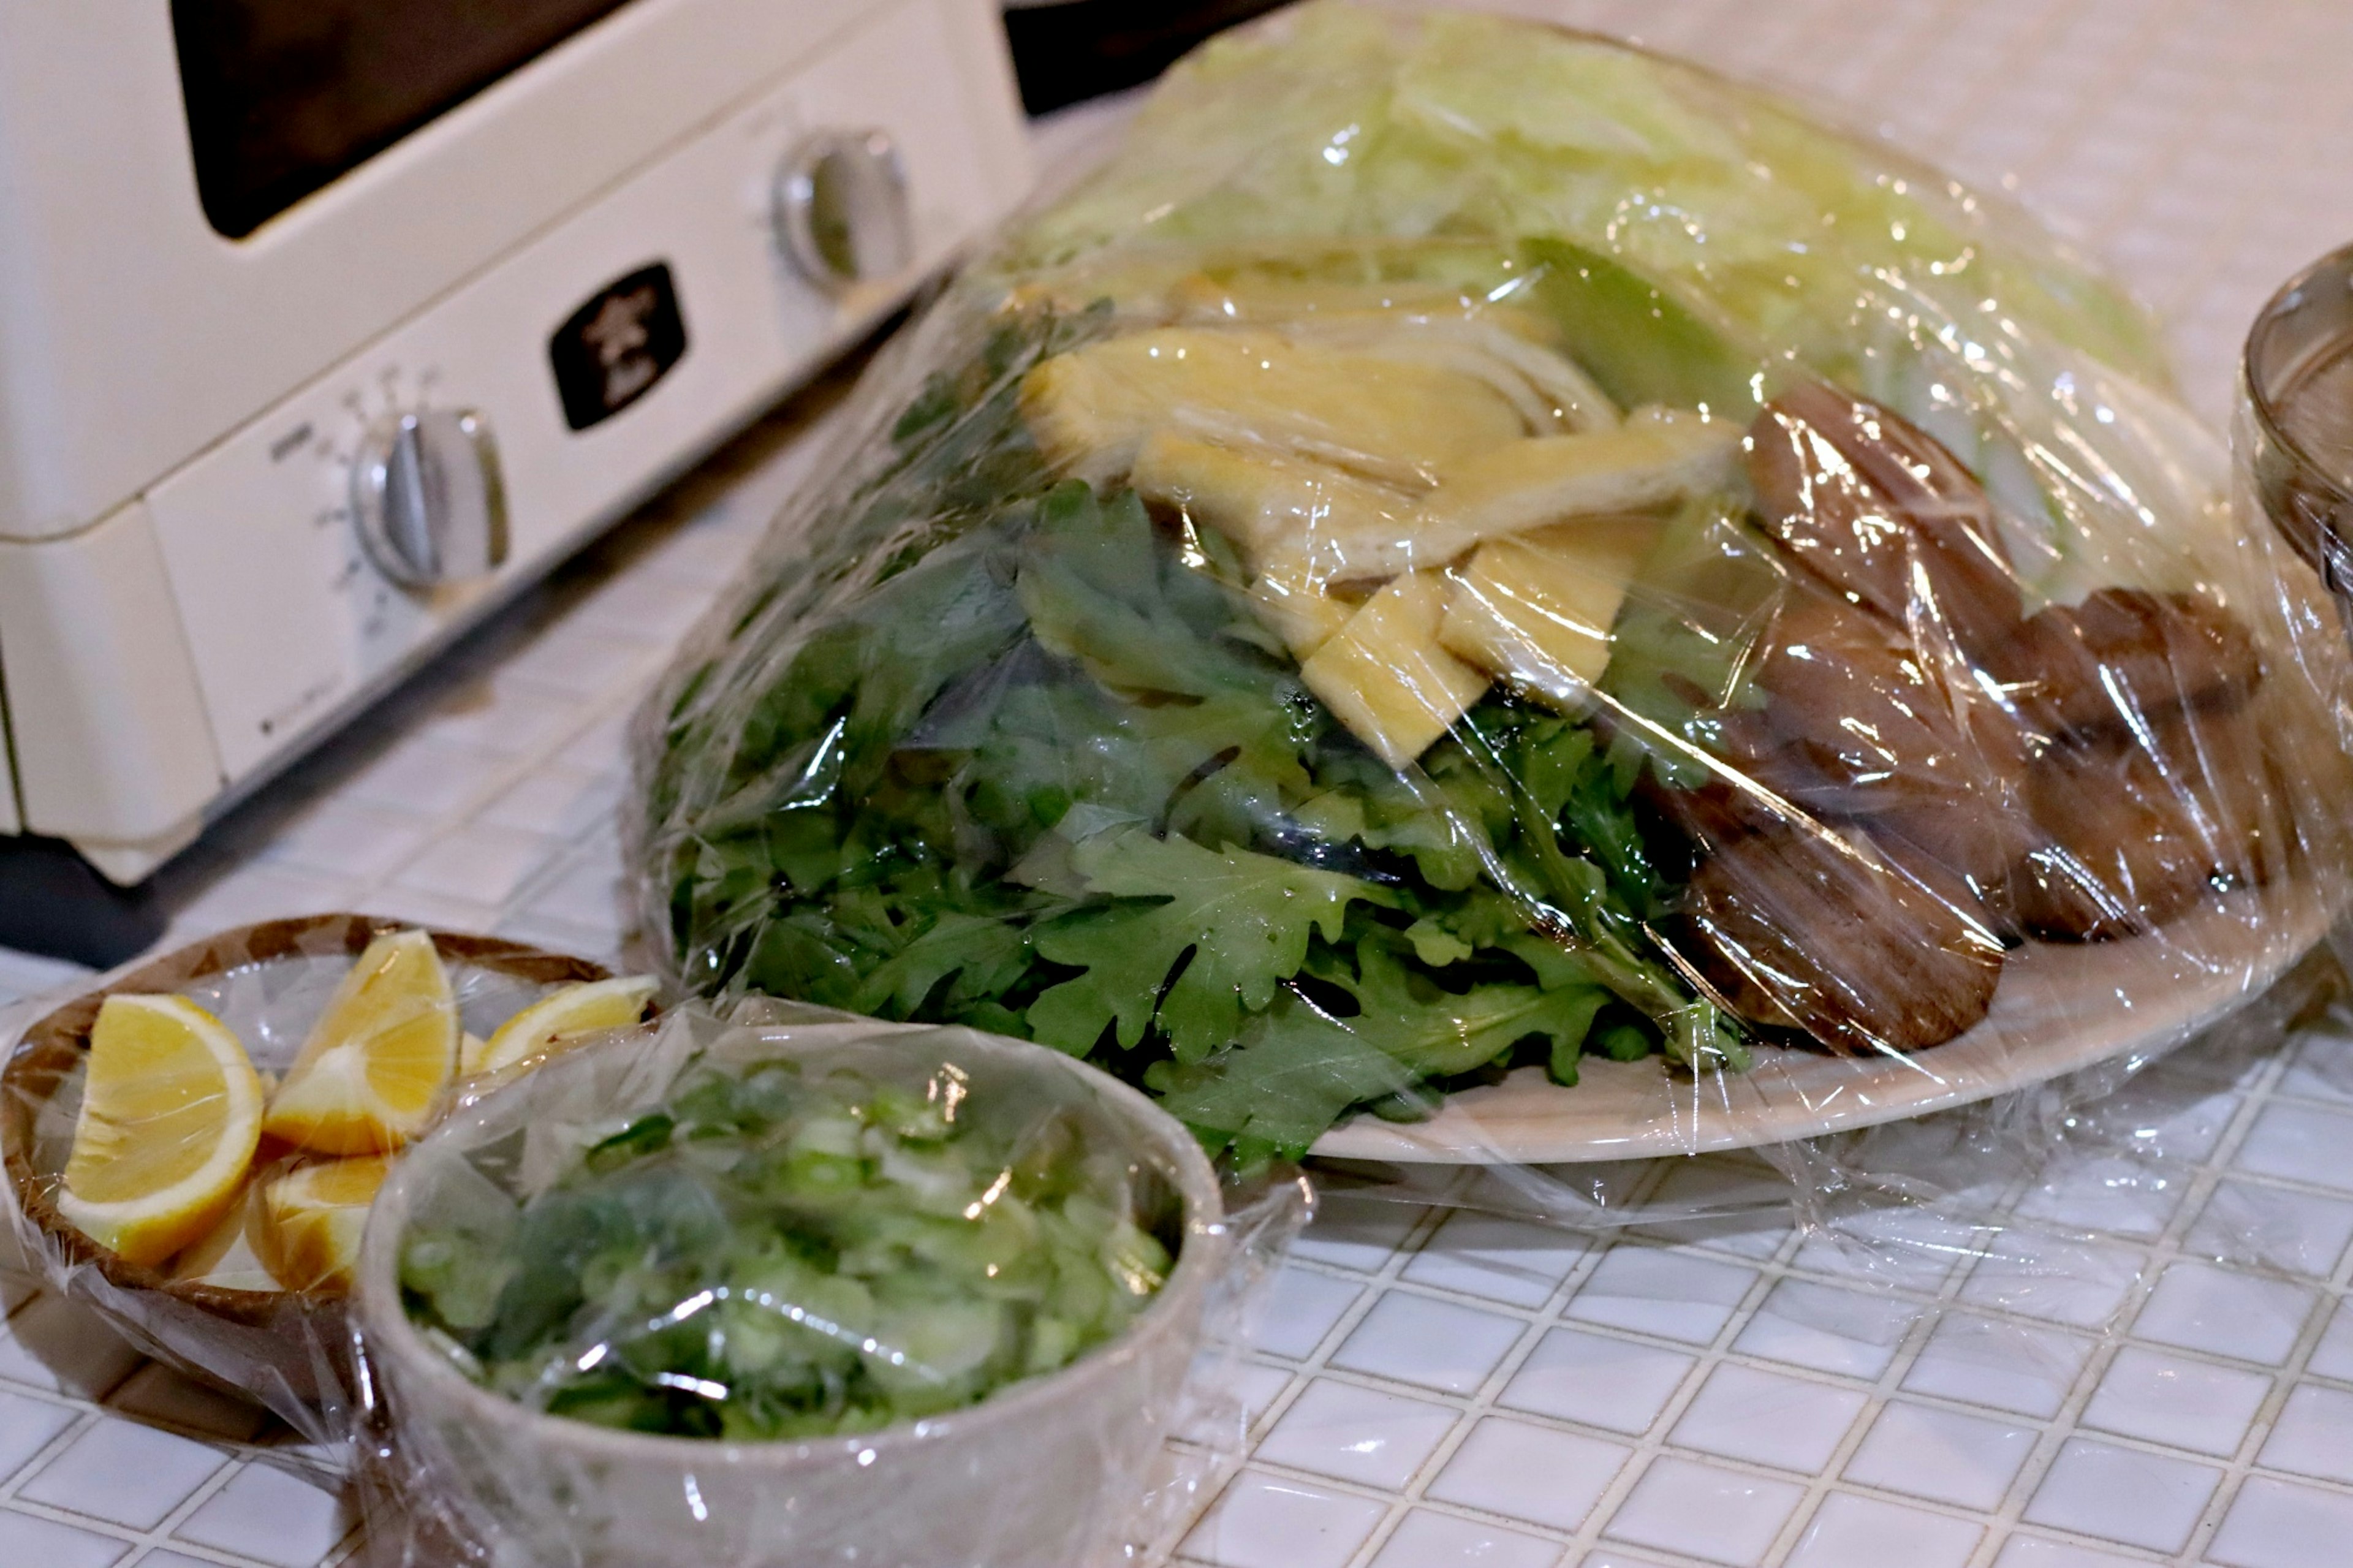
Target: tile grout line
x=1780, y=1266
x=1539, y=1321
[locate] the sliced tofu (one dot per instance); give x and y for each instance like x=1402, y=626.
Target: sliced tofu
x=1092, y=409
x=1535, y=609
x=1511, y=349
x=1273, y=505
x=1302, y=614
x=1657, y=456
x=1522, y=485
x=1385, y=675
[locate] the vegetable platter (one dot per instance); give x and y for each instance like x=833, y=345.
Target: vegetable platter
x=1465, y=558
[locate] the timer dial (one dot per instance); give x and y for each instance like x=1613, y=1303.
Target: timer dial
x=428, y=499
x=842, y=211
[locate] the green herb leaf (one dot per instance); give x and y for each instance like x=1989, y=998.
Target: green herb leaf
x=1243, y=919
x=1302, y=1065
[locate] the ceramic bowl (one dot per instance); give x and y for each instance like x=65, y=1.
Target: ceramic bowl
x=1044, y=1474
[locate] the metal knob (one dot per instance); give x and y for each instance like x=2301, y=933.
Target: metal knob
x=843, y=212
x=428, y=499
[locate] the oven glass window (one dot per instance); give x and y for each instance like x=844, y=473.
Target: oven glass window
x=285, y=95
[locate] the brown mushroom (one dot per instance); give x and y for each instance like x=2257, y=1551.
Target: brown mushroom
x=2124, y=658
x=1856, y=726
x=1864, y=948
x=1877, y=508
x=2130, y=836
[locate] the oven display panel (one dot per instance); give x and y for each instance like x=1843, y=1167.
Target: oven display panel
x=283, y=96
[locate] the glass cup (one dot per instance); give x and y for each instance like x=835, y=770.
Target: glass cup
x=2306, y=329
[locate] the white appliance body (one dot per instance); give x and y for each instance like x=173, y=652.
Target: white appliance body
x=186, y=602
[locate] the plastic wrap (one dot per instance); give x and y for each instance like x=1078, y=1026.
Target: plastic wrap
x=2120, y=1140
x=1032, y=1331
x=2021, y=1253
x=215, y=1308
x=802, y=1288
x=1477, y=595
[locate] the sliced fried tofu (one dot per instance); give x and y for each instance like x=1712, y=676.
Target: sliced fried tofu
x=1386, y=676
x=1311, y=515
x=1512, y=350
x=1535, y=609
x=1657, y=456
x=1300, y=612
x=1300, y=517
x=1092, y=409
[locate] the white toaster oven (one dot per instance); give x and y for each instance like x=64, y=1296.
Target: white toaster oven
x=326, y=324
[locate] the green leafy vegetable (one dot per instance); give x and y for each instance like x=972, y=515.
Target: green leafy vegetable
x=1237, y=922
x=1639, y=345
x=1454, y=124
x=778, y=1253
x=1362, y=1030
x=1047, y=777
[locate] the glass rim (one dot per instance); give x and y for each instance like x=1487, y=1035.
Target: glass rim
x=2264, y=392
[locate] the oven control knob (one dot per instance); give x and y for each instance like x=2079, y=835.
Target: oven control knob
x=843, y=212
x=428, y=497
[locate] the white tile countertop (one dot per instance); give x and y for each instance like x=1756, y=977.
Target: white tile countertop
x=2106, y=1365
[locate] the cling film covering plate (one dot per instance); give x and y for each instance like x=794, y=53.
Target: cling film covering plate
x=1467, y=566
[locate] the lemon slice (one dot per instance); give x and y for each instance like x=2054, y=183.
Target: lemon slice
x=171, y=1110
x=562, y=1016
x=312, y=1220
x=370, y=1076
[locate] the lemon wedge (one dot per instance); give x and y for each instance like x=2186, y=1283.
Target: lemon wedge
x=548, y=1024
x=171, y=1110
x=312, y=1220
x=370, y=1076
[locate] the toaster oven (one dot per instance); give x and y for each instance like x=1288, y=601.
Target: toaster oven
x=327, y=324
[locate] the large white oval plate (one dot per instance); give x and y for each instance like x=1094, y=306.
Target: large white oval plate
x=2058, y=1009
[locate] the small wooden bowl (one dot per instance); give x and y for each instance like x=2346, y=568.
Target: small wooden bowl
x=290, y=1350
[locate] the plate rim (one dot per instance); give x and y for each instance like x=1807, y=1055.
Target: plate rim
x=2291, y=918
